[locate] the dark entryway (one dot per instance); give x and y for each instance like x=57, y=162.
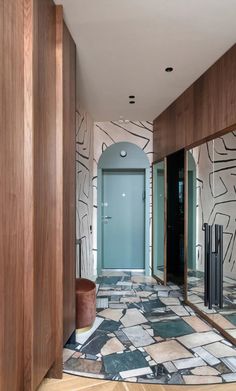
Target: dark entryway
x=175, y=217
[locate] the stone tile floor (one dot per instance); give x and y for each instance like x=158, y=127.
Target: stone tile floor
x=143, y=333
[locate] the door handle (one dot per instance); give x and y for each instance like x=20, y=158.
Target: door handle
x=107, y=217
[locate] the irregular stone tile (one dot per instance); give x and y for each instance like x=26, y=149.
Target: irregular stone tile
x=117, y=306
x=95, y=343
x=232, y=333
x=176, y=378
x=201, y=352
x=135, y=372
x=77, y=354
x=189, y=363
x=82, y=338
x=132, y=318
x=150, y=332
x=138, y=336
x=102, y=293
x=163, y=293
x=113, y=345
x=156, y=318
x=131, y=299
x=230, y=377
x=123, y=338
x=143, y=279
x=221, y=321
x=167, y=351
x=125, y=283
x=231, y=318
x=109, y=326
x=169, y=366
x=67, y=353
x=102, y=302
x=191, y=379
x=219, y=350
x=83, y=365
x=178, y=310
x=197, y=324
x=143, y=294
x=161, y=288
x=205, y=309
x=116, y=363
x=168, y=329
x=205, y=371
x=170, y=301
x=113, y=314
x=195, y=299
x=230, y=362
x=199, y=339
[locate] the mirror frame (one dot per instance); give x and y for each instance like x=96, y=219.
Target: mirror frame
x=164, y=280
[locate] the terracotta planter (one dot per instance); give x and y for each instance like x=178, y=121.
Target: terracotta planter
x=85, y=303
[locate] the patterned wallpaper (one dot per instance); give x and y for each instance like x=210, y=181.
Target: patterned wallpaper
x=107, y=133
x=216, y=195
x=84, y=194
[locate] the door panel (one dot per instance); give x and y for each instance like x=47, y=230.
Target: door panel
x=123, y=213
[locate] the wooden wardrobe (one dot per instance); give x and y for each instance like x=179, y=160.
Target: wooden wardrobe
x=37, y=191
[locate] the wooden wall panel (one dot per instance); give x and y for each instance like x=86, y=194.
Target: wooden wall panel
x=11, y=194
x=206, y=108
x=69, y=211
x=45, y=190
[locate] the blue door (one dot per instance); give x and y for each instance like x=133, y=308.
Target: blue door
x=123, y=214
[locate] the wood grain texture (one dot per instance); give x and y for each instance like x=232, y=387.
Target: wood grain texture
x=45, y=189
x=28, y=195
x=69, y=206
x=205, y=109
x=11, y=194
x=75, y=383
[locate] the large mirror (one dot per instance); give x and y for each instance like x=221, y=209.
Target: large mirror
x=211, y=245
x=159, y=220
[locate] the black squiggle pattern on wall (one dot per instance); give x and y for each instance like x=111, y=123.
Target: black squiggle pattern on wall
x=107, y=133
x=216, y=200
x=84, y=198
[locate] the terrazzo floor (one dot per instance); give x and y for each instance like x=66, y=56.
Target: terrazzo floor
x=226, y=316
x=143, y=333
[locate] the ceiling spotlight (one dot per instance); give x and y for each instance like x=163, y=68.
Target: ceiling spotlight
x=169, y=69
x=132, y=97
x=132, y=102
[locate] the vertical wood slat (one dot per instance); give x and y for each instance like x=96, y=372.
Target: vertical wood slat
x=28, y=195
x=11, y=194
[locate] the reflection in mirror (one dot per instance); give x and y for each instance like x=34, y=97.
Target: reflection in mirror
x=159, y=220
x=211, y=177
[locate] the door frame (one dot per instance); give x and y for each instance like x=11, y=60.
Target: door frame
x=146, y=217
x=164, y=280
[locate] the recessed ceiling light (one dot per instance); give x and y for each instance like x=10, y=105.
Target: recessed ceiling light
x=132, y=102
x=169, y=69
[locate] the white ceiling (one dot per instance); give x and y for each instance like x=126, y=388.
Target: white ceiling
x=124, y=47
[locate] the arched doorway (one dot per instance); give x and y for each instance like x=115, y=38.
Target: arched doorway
x=123, y=208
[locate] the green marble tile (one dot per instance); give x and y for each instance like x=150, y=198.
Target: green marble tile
x=115, y=363
x=172, y=328
x=231, y=318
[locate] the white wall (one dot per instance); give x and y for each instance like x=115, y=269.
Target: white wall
x=84, y=193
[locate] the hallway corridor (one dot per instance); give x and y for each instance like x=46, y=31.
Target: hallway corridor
x=143, y=333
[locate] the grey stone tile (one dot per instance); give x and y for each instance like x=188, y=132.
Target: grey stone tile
x=230, y=377
x=201, y=352
x=199, y=339
x=189, y=363
x=230, y=362
x=138, y=336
